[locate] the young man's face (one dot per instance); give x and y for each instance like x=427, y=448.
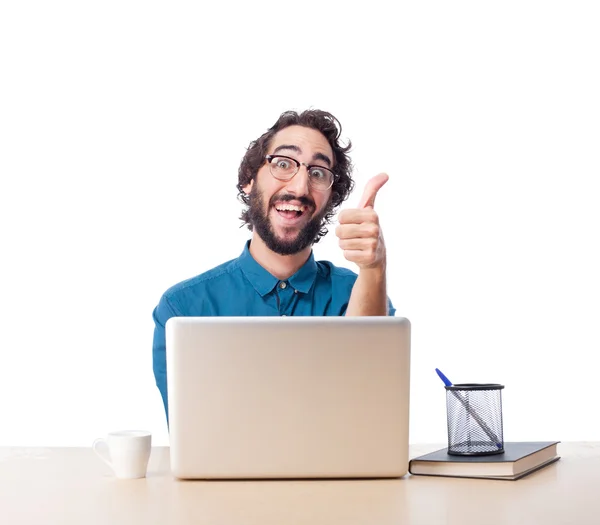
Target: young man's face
x=290, y=231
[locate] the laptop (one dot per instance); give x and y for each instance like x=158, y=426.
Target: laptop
x=288, y=397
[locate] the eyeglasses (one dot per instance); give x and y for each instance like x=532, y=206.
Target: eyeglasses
x=284, y=168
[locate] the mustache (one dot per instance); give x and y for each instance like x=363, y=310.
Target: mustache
x=287, y=197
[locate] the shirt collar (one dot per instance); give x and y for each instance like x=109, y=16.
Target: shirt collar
x=304, y=278
x=264, y=282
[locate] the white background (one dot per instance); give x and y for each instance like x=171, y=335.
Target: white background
x=122, y=125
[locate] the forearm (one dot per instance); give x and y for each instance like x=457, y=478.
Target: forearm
x=369, y=294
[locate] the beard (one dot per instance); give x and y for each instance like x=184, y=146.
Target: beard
x=258, y=214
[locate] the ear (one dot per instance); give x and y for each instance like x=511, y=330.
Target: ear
x=248, y=187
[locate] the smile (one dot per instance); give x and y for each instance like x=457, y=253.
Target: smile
x=290, y=210
x=290, y=214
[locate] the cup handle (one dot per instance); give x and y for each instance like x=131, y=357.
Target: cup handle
x=95, y=444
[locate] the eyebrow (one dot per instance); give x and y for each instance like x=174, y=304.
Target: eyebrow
x=292, y=147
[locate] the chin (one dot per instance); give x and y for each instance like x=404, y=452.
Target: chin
x=286, y=236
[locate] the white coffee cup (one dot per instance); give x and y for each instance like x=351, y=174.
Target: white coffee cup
x=129, y=452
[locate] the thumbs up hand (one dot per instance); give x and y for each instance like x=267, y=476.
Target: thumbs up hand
x=359, y=232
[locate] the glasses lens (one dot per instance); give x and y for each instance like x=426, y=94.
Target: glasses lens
x=283, y=168
x=320, y=178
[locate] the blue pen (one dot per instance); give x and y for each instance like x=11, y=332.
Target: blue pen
x=469, y=408
x=446, y=381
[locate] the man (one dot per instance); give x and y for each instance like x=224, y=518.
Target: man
x=292, y=179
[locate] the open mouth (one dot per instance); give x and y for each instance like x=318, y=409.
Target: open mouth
x=290, y=211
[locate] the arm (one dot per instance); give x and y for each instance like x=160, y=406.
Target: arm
x=160, y=315
x=361, y=239
x=369, y=295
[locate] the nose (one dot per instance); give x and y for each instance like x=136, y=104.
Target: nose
x=298, y=185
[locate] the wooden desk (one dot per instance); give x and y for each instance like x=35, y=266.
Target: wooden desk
x=72, y=486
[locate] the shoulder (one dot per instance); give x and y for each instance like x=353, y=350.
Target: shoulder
x=328, y=270
x=196, y=295
x=195, y=285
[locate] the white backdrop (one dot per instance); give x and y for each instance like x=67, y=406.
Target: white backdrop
x=122, y=125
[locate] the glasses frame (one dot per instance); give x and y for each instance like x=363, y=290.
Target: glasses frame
x=269, y=158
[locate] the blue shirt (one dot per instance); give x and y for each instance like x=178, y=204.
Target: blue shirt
x=242, y=287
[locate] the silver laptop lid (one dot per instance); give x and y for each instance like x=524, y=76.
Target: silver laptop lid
x=291, y=397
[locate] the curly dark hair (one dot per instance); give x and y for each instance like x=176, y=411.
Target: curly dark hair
x=321, y=121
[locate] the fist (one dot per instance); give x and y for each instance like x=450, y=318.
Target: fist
x=359, y=232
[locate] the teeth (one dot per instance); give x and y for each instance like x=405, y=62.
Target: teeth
x=290, y=207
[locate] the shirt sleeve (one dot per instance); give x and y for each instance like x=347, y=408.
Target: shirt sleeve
x=161, y=314
x=391, y=309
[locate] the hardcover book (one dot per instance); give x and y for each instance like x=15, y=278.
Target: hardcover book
x=518, y=460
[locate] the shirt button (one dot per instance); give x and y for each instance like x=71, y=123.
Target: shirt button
x=282, y=285
x=295, y=291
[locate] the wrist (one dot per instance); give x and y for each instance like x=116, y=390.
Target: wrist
x=374, y=274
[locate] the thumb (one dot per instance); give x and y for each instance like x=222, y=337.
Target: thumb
x=371, y=189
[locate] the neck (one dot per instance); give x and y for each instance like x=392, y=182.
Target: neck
x=280, y=266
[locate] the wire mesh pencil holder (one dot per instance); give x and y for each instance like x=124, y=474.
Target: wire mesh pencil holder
x=474, y=414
